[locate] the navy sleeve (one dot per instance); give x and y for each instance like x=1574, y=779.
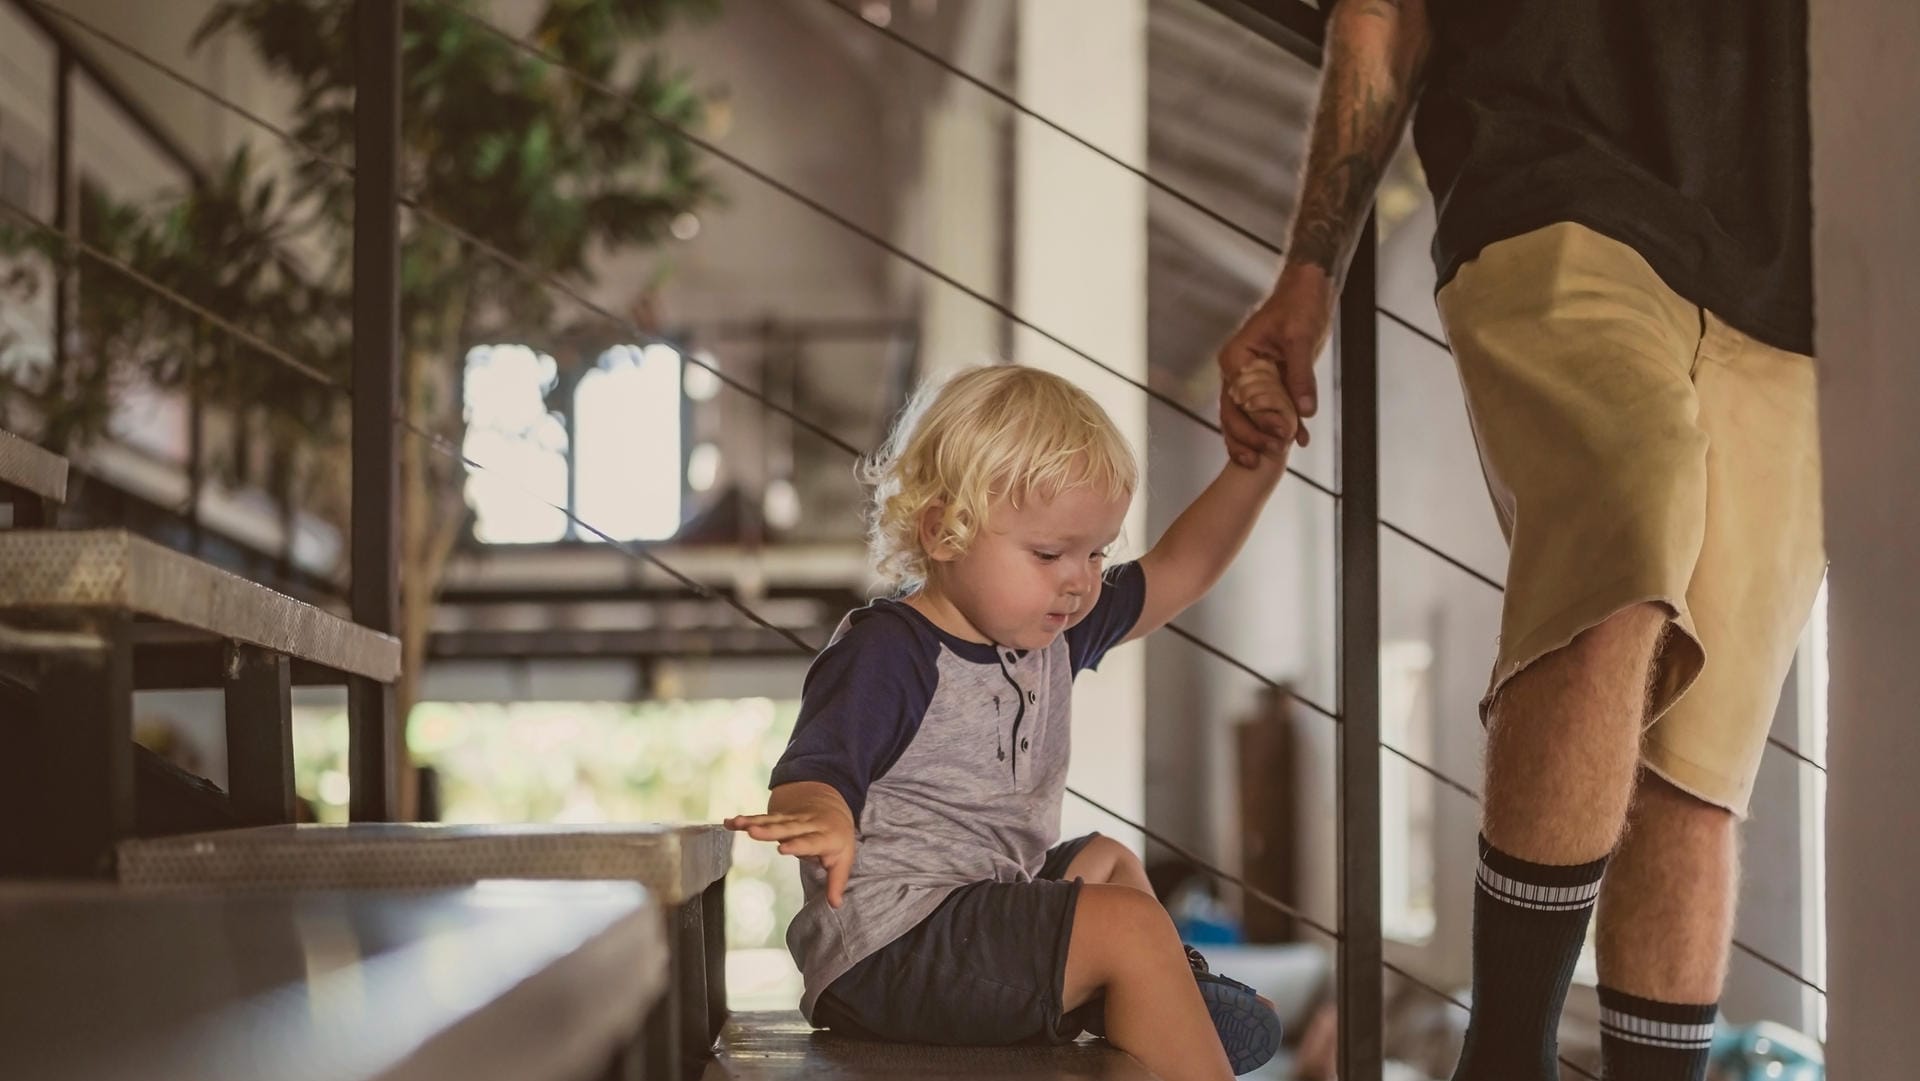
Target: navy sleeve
x=860, y=707
x=1121, y=597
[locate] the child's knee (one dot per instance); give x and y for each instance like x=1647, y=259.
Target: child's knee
x=1102, y=849
x=1121, y=937
x=1124, y=857
x=1106, y=853
x=1125, y=923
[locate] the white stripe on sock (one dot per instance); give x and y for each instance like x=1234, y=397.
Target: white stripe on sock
x=1545, y=898
x=1627, y=1026
x=1649, y=1041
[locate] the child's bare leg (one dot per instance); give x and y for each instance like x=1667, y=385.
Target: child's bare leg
x=1105, y=860
x=1124, y=947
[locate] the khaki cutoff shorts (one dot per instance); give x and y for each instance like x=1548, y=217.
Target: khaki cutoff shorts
x=1638, y=449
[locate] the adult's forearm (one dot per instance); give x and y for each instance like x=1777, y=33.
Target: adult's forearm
x=1375, y=55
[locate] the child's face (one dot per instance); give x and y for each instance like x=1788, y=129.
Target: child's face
x=1034, y=570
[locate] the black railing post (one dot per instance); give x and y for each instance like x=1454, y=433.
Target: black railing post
x=1359, y=584
x=375, y=731
x=259, y=712
x=66, y=211
x=197, y=443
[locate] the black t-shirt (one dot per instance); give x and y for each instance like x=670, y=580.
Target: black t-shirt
x=1678, y=127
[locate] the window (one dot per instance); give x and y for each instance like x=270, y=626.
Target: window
x=521, y=448
x=610, y=453
x=626, y=427
x=1813, y=817
x=1406, y=794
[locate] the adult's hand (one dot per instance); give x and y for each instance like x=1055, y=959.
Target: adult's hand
x=1287, y=331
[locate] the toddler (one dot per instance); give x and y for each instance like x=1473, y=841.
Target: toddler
x=923, y=783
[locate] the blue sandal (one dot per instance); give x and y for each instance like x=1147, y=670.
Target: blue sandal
x=1249, y=1029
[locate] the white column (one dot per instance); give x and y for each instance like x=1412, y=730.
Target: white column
x=961, y=211
x=1080, y=272
x=1866, y=153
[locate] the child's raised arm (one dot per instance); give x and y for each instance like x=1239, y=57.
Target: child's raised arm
x=1201, y=544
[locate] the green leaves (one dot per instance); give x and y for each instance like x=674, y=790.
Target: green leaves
x=501, y=142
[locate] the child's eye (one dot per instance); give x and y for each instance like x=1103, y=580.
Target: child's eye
x=1047, y=557
x=1099, y=555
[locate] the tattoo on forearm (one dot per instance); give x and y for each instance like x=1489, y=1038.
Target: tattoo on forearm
x=1354, y=135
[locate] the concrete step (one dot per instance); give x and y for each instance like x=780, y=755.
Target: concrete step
x=783, y=1047
x=31, y=478
x=683, y=866
x=506, y=981
x=48, y=576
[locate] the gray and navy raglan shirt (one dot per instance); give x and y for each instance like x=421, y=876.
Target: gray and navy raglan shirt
x=952, y=756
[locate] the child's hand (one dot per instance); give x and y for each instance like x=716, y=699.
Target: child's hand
x=1257, y=388
x=823, y=835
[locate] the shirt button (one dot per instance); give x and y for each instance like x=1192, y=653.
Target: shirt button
x=1011, y=659
x=1032, y=697
x=1023, y=744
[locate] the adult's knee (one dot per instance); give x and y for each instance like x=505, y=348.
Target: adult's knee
x=1627, y=643
x=1636, y=630
x=1660, y=806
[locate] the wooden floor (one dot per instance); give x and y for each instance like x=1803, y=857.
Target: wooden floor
x=782, y=1046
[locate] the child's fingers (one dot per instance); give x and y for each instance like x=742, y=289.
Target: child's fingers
x=1272, y=404
x=1254, y=375
x=1262, y=395
x=1245, y=441
x=838, y=871
x=810, y=844
x=780, y=831
x=1259, y=386
x=1280, y=415
x=1269, y=396
x=740, y=822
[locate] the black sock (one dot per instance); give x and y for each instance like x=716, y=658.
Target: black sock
x=1529, y=923
x=1644, y=1040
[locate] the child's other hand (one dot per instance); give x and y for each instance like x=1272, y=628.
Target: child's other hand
x=1257, y=388
x=823, y=836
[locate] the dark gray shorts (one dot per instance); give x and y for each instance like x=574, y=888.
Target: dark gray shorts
x=987, y=967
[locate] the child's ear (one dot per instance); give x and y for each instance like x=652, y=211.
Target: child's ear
x=933, y=537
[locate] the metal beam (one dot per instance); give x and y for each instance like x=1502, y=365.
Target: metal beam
x=659, y=644
x=82, y=733
x=1360, y=1006
x=838, y=599
x=375, y=731
x=168, y=662
x=1291, y=24
x=807, y=330
x=259, y=713
x=576, y=565
x=56, y=29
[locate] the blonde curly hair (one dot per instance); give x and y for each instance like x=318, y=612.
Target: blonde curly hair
x=999, y=432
